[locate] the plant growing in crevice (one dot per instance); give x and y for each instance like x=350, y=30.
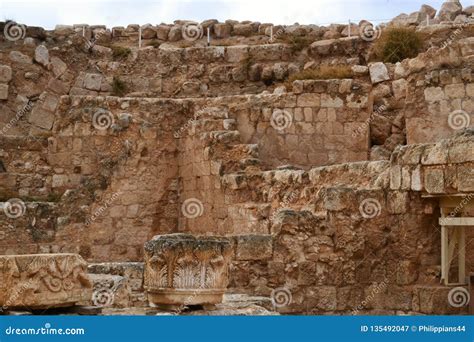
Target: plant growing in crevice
x=397, y=43
x=119, y=88
x=120, y=52
x=323, y=72
x=296, y=43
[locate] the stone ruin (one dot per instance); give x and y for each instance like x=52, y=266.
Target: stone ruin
x=147, y=166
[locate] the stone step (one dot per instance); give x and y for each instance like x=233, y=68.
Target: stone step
x=225, y=137
x=250, y=149
x=208, y=125
x=212, y=113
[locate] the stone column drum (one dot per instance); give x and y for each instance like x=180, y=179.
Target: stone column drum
x=181, y=269
x=40, y=281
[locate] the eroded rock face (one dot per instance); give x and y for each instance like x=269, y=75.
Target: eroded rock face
x=181, y=269
x=39, y=281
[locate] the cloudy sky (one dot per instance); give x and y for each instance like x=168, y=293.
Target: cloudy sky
x=48, y=13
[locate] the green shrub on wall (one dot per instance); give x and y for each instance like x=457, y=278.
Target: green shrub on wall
x=398, y=43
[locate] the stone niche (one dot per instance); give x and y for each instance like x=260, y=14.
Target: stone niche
x=181, y=269
x=40, y=281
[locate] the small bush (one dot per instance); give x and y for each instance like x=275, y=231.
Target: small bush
x=397, y=43
x=297, y=43
x=120, y=52
x=323, y=72
x=246, y=63
x=154, y=43
x=119, y=87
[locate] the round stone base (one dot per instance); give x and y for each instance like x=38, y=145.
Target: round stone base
x=185, y=297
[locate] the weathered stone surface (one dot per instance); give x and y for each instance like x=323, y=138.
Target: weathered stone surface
x=5, y=74
x=92, y=81
x=41, y=117
x=449, y=10
x=222, y=30
x=3, y=91
x=182, y=269
x=43, y=280
x=378, y=72
x=42, y=55
x=18, y=57
x=254, y=247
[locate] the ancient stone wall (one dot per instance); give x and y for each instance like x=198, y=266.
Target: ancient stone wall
x=308, y=179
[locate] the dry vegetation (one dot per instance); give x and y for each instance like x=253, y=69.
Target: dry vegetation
x=397, y=43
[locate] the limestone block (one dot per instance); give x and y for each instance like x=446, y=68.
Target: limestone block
x=254, y=247
x=92, y=81
x=235, y=54
x=42, y=55
x=175, y=33
x=465, y=178
x=360, y=69
x=3, y=91
x=222, y=30
x=395, y=177
x=41, y=118
x=59, y=67
x=449, y=10
x=470, y=89
x=400, y=88
x=245, y=30
x=435, y=154
x=148, y=32
x=428, y=10
x=378, y=72
x=433, y=94
x=308, y=100
x=455, y=91
x=18, y=57
x=434, y=181
x=467, y=46
x=331, y=102
x=397, y=202
x=43, y=280
x=416, y=182
x=182, y=269
x=162, y=32
x=5, y=74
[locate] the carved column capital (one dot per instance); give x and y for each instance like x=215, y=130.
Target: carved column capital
x=183, y=269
